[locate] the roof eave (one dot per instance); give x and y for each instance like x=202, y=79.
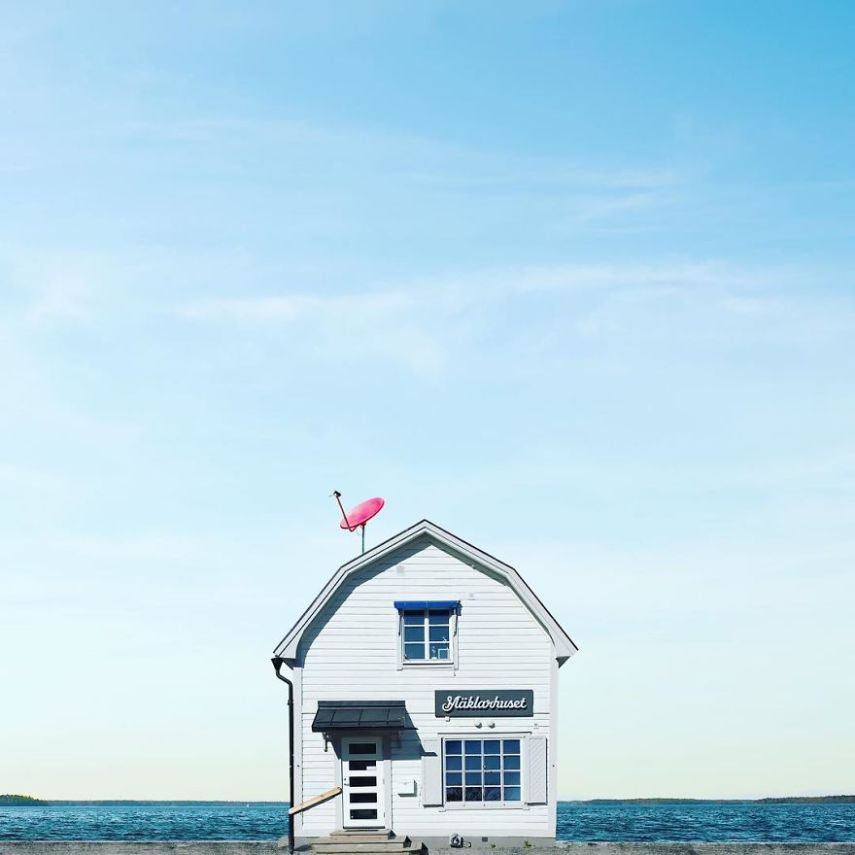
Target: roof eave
x=287, y=648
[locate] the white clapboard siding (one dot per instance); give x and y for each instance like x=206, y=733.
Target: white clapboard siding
x=318, y=773
x=351, y=652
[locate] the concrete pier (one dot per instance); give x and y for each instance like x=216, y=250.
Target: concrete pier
x=271, y=847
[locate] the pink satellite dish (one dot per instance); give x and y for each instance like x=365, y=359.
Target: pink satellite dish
x=360, y=515
x=363, y=512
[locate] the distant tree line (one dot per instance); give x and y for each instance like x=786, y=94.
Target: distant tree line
x=10, y=799
x=772, y=800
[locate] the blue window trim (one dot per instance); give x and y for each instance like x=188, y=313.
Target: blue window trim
x=422, y=605
x=421, y=648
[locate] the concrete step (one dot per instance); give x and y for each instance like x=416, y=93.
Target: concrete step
x=365, y=843
x=389, y=846
x=348, y=849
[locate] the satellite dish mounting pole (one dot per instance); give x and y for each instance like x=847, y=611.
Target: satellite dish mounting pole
x=363, y=538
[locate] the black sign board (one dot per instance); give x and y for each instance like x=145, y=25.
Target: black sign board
x=483, y=703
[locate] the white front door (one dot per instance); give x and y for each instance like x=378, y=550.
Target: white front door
x=362, y=782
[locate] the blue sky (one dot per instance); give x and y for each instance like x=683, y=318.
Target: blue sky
x=572, y=279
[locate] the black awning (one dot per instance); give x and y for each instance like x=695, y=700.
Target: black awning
x=360, y=715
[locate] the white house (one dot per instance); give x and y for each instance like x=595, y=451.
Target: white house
x=425, y=679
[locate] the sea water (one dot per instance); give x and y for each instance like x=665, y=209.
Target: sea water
x=583, y=821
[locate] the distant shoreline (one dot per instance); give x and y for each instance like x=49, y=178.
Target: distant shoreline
x=16, y=800
x=768, y=800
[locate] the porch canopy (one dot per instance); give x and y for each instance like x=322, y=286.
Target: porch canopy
x=359, y=715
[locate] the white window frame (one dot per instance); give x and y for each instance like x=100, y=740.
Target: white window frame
x=485, y=805
x=450, y=662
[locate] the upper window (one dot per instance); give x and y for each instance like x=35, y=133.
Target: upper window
x=482, y=771
x=426, y=635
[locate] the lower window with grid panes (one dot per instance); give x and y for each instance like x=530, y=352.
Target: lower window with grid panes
x=482, y=771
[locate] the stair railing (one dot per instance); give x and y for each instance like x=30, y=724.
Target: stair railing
x=314, y=801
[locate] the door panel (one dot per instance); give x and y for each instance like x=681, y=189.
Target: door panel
x=362, y=782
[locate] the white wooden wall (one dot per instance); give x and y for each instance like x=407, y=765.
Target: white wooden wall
x=351, y=652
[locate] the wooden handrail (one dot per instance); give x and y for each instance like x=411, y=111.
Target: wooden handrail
x=315, y=800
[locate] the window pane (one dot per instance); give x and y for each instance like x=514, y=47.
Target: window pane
x=454, y=794
x=491, y=746
x=492, y=762
x=439, y=651
x=439, y=633
x=512, y=794
x=453, y=778
x=414, y=651
x=436, y=617
x=492, y=794
x=414, y=618
x=363, y=798
x=362, y=781
x=493, y=778
x=473, y=779
x=512, y=762
x=414, y=633
x=453, y=746
x=473, y=746
x=362, y=813
x=473, y=763
x=512, y=778
x=511, y=746
x=362, y=748
x=453, y=764
x=361, y=765
x=473, y=794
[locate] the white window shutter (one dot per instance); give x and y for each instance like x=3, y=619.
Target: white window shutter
x=536, y=765
x=432, y=773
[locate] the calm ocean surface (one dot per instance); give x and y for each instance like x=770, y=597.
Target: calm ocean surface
x=700, y=821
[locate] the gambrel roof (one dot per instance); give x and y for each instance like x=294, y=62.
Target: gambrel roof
x=564, y=646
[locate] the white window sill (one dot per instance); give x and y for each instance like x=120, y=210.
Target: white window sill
x=486, y=806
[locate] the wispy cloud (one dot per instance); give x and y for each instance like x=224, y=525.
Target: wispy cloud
x=292, y=308
x=426, y=325
x=457, y=293
x=387, y=162
x=50, y=289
